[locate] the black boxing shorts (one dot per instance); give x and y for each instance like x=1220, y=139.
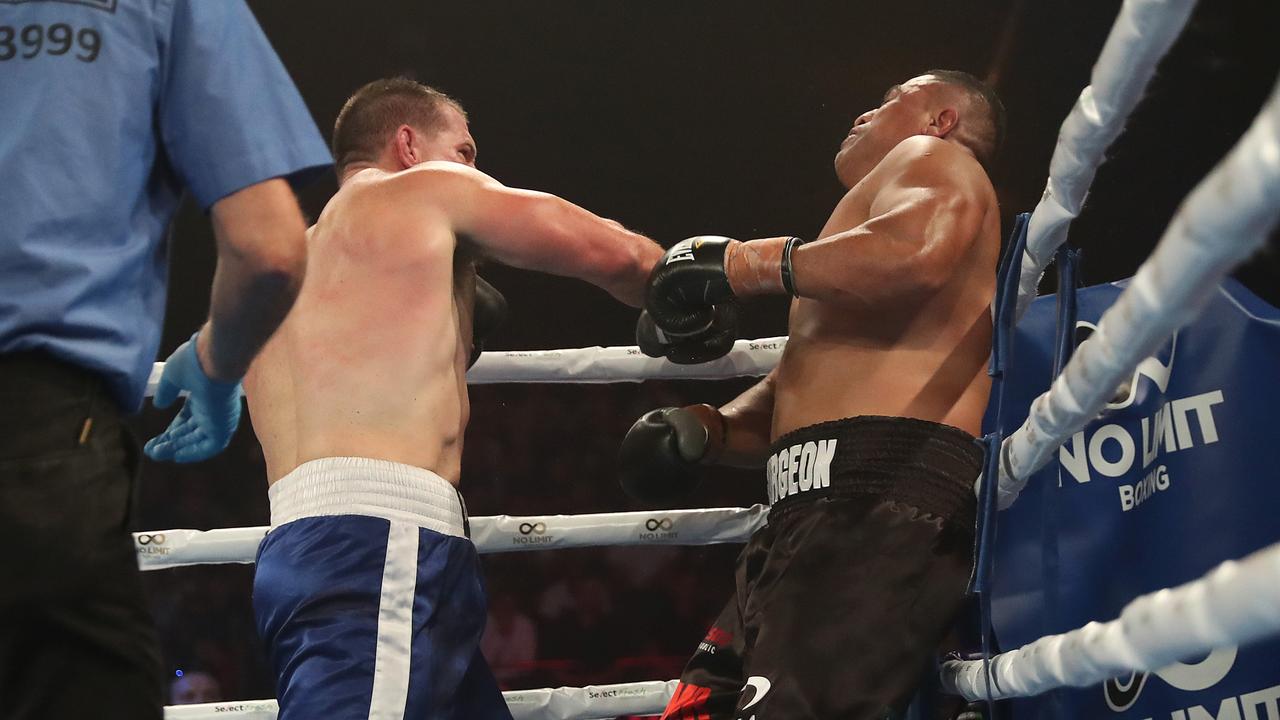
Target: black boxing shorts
x=843, y=598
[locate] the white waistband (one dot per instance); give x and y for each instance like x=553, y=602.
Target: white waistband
x=364, y=486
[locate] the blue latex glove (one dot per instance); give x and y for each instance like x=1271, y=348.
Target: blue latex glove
x=206, y=422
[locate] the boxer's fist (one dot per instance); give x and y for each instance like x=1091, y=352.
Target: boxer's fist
x=488, y=313
x=713, y=343
x=687, y=283
x=659, y=457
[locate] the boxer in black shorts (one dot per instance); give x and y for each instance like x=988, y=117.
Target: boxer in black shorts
x=878, y=534
x=865, y=429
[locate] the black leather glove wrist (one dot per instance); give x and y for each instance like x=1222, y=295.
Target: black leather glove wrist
x=658, y=459
x=488, y=313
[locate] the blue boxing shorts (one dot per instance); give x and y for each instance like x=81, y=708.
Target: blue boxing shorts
x=369, y=598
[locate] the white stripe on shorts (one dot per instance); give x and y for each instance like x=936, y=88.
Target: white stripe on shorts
x=395, y=623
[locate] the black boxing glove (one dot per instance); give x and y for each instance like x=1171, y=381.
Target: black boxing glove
x=701, y=272
x=686, y=284
x=488, y=313
x=715, y=342
x=659, y=457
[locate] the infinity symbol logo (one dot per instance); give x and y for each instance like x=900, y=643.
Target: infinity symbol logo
x=535, y=528
x=657, y=524
x=156, y=539
x=1192, y=677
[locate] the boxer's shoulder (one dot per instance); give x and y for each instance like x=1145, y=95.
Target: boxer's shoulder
x=431, y=188
x=927, y=148
x=943, y=168
x=932, y=157
x=442, y=189
x=441, y=180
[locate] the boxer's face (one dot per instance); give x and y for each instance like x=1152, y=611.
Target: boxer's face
x=906, y=110
x=452, y=142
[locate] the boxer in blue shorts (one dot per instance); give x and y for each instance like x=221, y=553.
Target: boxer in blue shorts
x=368, y=593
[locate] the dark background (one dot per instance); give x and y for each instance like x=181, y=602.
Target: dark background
x=677, y=119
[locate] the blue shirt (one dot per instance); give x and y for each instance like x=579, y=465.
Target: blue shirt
x=108, y=110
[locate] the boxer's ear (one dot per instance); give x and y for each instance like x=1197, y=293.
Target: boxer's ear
x=404, y=147
x=943, y=122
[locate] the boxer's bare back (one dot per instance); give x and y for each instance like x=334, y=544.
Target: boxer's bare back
x=371, y=362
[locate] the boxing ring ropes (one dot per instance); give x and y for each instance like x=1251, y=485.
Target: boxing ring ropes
x=1224, y=219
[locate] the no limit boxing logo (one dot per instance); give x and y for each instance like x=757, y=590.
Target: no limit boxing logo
x=659, y=529
x=1145, y=426
x=1153, y=368
x=1191, y=677
x=1122, y=695
x=532, y=533
x=150, y=544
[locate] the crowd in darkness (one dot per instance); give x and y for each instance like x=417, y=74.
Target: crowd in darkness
x=557, y=617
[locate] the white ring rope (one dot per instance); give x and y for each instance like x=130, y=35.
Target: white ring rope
x=1224, y=219
x=1141, y=35
x=592, y=702
x=160, y=549
x=1235, y=604
x=748, y=358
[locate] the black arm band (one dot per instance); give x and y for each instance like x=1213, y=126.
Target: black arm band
x=788, y=281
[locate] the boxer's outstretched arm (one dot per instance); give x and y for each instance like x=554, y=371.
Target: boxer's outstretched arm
x=748, y=421
x=537, y=231
x=921, y=222
x=262, y=256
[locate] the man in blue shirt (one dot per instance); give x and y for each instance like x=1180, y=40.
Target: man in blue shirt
x=111, y=108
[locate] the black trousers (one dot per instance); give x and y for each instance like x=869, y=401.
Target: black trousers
x=76, y=637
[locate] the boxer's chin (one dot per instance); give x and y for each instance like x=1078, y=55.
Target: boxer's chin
x=844, y=166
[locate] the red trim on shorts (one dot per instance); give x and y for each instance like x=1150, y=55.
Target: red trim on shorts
x=688, y=703
x=719, y=637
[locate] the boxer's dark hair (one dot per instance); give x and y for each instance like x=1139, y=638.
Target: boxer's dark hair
x=984, y=135
x=373, y=113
